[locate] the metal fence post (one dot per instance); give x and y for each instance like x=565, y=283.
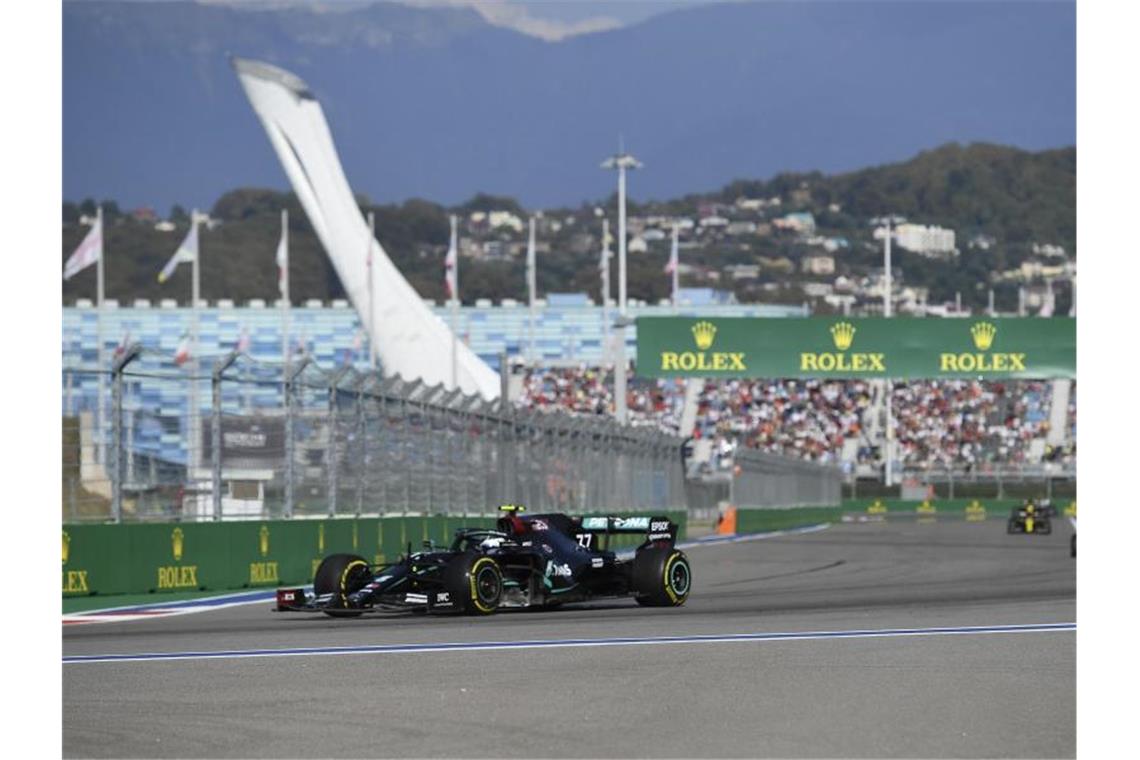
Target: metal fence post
x=330, y=450
x=117, y=472
x=216, y=433
x=361, y=444
x=290, y=465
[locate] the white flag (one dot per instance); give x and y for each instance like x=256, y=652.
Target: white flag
x=283, y=263
x=186, y=253
x=451, y=265
x=671, y=267
x=88, y=252
x=182, y=353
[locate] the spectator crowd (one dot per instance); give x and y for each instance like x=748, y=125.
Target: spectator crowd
x=964, y=424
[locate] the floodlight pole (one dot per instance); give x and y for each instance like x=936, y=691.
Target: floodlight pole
x=100, y=449
x=195, y=448
x=890, y=435
x=606, y=255
x=371, y=298
x=216, y=433
x=455, y=305
x=621, y=161
x=118, y=472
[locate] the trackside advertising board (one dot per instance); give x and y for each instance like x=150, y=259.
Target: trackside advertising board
x=843, y=347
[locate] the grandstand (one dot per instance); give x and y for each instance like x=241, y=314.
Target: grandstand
x=568, y=330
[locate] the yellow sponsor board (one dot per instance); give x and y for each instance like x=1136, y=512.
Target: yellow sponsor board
x=178, y=576
x=983, y=334
x=843, y=335
x=926, y=511
x=877, y=508
x=688, y=361
x=704, y=333
x=975, y=511
x=263, y=572
x=75, y=582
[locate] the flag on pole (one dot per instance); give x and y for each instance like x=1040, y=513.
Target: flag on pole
x=243, y=342
x=182, y=353
x=451, y=266
x=186, y=253
x=89, y=251
x=671, y=265
x=122, y=347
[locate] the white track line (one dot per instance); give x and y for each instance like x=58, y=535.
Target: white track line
x=479, y=646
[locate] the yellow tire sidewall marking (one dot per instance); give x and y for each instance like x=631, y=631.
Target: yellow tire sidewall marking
x=668, y=587
x=474, y=593
x=344, y=578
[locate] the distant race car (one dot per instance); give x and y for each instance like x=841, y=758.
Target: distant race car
x=1028, y=518
x=532, y=561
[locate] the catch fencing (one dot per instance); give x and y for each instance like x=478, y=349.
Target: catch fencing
x=235, y=438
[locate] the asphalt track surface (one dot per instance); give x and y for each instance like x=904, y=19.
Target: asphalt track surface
x=931, y=693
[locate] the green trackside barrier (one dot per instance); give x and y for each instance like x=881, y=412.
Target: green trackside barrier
x=180, y=557
x=763, y=520
x=970, y=509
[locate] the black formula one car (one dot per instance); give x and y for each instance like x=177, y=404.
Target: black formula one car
x=1028, y=518
x=532, y=561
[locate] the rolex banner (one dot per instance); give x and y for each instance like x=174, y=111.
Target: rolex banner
x=844, y=347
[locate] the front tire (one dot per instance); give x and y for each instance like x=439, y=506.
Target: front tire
x=475, y=583
x=661, y=577
x=341, y=575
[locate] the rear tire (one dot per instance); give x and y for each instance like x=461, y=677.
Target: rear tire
x=1046, y=528
x=1073, y=546
x=475, y=583
x=662, y=577
x=1011, y=527
x=341, y=575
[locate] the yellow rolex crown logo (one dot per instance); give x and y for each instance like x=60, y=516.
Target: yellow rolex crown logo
x=704, y=333
x=66, y=546
x=983, y=333
x=263, y=540
x=176, y=544
x=843, y=333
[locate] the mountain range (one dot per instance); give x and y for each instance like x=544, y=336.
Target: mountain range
x=435, y=102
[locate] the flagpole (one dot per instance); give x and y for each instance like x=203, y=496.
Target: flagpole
x=531, y=286
x=284, y=288
x=371, y=323
x=676, y=266
x=455, y=306
x=605, y=289
x=99, y=294
x=887, y=385
x=195, y=288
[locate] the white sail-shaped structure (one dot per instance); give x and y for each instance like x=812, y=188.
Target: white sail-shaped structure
x=410, y=340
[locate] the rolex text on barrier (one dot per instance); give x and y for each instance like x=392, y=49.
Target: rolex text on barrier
x=843, y=347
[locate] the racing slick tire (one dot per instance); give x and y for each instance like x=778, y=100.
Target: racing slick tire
x=1013, y=527
x=1044, y=527
x=1073, y=546
x=340, y=575
x=661, y=577
x=475, y=583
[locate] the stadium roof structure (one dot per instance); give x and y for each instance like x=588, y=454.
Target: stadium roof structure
x=409, y=339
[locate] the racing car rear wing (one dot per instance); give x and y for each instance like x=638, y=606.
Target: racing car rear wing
x=655, y=528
